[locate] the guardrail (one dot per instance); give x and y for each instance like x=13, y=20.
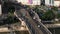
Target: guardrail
x=29, y=26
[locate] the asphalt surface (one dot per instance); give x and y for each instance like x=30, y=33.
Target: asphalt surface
x=32, y=24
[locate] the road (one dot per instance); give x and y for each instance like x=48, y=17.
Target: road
x=41, y=26
x=33, y=26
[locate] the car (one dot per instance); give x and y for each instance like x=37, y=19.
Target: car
x=39, y=26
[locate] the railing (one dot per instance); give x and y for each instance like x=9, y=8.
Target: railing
x=29, y=25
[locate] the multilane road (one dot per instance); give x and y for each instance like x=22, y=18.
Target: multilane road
x=31, y=23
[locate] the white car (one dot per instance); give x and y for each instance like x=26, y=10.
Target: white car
x=39, y=26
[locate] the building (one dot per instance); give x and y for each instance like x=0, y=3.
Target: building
x=34, y=2
x=52, y=3
x=37, y=2
x=57, y=3
x=49, y=2
x=30, y=2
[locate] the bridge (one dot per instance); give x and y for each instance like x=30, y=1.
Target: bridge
x=35, y=26
x=33, y=23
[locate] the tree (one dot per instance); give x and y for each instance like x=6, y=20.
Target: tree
x=48, y=15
